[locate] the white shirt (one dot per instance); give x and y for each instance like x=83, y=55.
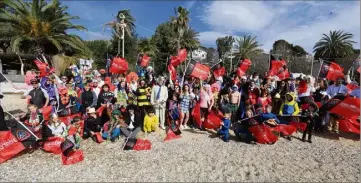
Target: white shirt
x=57, y=130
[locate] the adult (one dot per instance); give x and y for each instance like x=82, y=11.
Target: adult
x=88, y=98
x=38, y=96
x=185, y=101
x=206, y=103
x=158, y=99
x=133, y=122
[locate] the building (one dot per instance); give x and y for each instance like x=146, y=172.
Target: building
x=199, y=54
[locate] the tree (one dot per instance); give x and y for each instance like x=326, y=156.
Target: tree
x=224, y=45
x=180, y=23
x=147, y=46
x=337, y=44
x=117, y=25
x=99, y=49
x=298, y=50
x=248, y=47
x=190, y=39
x=42, y=25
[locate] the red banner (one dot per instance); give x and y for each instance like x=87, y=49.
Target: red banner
x=73, y=157
x=200, y=71
x=302, y=87
x=142, y=144
x=46, y=111
x=284, y=75
x=182, y=54
x=213, y=121
x=286, y=130
x=52, y=145
x=9, y=146
x=119, y=66
x=348, y=108
x=276, y=66
x=349, y=125
x=42, y=68
x=219, y=72
x=196, y=114
x=299, y=125
x=67, y=119
x=334, y=71
x=145, y=61
x=246, y=63
x=263, y=134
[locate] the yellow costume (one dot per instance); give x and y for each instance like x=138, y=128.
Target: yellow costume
x=150, y=123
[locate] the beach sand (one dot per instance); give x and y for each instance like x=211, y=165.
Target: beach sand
x=197, y=156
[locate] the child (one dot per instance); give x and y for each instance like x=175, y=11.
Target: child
x=235, y=98
x=269, y=118
x=33, y=119
x=150, y=121
x=290, y=107
x=311, y=113
x=226, y=123
x=111, y=129
x=74, y=131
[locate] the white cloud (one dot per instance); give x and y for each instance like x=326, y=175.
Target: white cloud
x=90, y=35
x=209, y=38
x=299, y=23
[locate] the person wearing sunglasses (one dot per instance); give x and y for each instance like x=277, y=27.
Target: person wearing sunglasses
x=38, y=96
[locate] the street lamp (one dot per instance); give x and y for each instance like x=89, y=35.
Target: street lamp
x=123, y=26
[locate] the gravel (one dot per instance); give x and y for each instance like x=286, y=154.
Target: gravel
x=197, y=156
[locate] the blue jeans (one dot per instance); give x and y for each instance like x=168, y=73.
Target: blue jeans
x=115, y=134
x=224, y=133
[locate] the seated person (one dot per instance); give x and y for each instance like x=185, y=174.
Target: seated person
x=269, y=118
x=150, y=121
x=33, y=119
x=111, y=129
x=133, y=122
x=57, y=127
x=74, y=131
x=92, y=124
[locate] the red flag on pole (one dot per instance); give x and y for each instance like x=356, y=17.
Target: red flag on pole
x=219, y=72
x=172, y=72
x=145, y=60
x=200, y=71
x=182, y=54
x=175, y=61
x=334, y=71
x=42, y=67
x=119, y=66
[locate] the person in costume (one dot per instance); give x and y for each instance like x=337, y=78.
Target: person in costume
x=88, y=98
x=290, y=106
x=226, y=124
x=151, y=121
x=111, y=129
x=33, y=119
x=133, y=122
x=235, y=99
x=311, y=113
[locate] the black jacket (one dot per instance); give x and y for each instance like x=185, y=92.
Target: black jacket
x=138, y=121
x=37, y=97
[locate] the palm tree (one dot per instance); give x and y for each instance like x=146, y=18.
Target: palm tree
x=180, y=23
x=337, y=44
x=147, y=46
x=190, y=39
x=40, y=23
x=116, y=25
x=248, y=46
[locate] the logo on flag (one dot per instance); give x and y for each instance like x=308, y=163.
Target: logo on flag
x=22, y=135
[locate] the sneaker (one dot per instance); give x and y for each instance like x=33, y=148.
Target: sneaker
x=162, y=127
x=181, y=127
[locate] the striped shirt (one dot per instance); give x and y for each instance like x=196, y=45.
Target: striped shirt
x=142, y=98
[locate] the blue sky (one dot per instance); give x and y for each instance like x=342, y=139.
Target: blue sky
x=298, y=22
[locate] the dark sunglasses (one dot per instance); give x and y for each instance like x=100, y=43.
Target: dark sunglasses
x=33, y=83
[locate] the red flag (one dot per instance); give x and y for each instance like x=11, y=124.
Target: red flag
x=348, y=108
x=246, y=63
x=196, y=114
x=263, y=134
x=10, y=146
x=175, y=61
x=284, y=75
x=171, y=136
x=351, y=87
x=299, y=125
x=141, y=145
x=145, y=61
x=219, y=72
x=213, y=121
x=349, y=125
x=52, y=145
x=276, y=67
x=119, y=66
x=286, y=130
x=182, y=54
x=73, y=157
x=302, y=87
x=240, y=72
x=108, y=81
x=200, y=71
x=46, y=111
x=334, y=71
x=67, y=119
x=42, y=68
x=100, y=110
x=172, y=72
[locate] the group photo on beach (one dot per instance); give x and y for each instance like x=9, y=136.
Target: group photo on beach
x=129, y=104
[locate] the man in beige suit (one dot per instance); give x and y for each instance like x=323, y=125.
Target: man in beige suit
x=158, y=99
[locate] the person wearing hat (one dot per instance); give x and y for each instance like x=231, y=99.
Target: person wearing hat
x=92, y=124
x=158, y=99
x=133, y=122
x=38, y=96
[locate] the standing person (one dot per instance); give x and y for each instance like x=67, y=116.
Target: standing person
x=185, y=100
x=121, y=94
x=226, y=124
x=235, y=99
x=143, y=92
x=38, y=96
x=333, y=90
x=256, y=79
x=206, y=103
x=264, y=100
x=158, y=99
x=243, y=89
x=311, y=113
x=88, y=98
x=253, y=93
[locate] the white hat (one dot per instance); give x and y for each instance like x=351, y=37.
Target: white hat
x=91, y=110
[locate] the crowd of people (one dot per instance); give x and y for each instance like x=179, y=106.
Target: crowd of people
x=111, y=105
